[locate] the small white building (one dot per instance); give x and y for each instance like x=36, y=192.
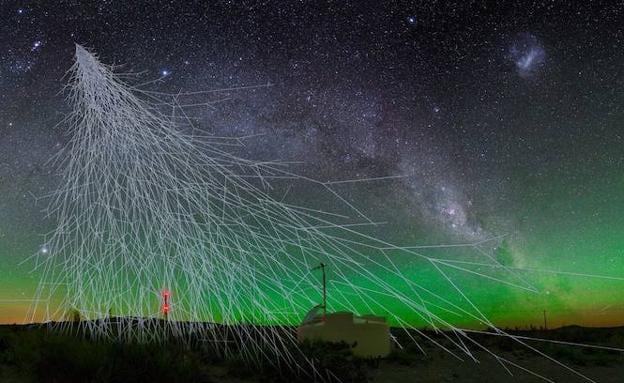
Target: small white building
x=369, y=333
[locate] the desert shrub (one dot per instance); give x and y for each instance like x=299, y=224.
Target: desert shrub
x=336, y=359
x=240, y=368
x=26, y=347
x=507, y=344
x=7, y=352
x=154, y=363
x=37, y=354
x=317, y=361
x=69, y=359
x=409, y=355
x=402, y=357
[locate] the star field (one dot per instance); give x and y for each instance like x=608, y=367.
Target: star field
x=503, y=119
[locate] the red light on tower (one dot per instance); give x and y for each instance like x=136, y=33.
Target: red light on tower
x=165, y=308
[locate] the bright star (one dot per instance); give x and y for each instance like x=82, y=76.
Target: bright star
x=165, y=73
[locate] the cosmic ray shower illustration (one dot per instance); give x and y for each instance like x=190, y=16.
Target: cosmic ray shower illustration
x=311, y=192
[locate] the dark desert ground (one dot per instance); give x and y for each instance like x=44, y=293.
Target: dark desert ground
x=35, y=353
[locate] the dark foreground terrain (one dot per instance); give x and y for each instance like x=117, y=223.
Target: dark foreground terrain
x=36, y=354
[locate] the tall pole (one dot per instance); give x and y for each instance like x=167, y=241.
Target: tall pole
x=545, y=324
x=322, y=267
x=324, y=291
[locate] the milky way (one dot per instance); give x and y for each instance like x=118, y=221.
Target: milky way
x=501, y=123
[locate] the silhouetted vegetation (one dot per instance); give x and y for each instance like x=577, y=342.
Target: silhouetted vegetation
x=36, y=354
x=409, y=355
x=32, y=353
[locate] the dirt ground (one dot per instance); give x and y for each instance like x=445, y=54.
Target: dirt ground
x=489, y=370
x=33, y=354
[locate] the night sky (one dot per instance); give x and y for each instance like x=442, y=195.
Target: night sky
x=504, y=120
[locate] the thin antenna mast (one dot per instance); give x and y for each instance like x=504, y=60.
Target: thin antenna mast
x=322, y=267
